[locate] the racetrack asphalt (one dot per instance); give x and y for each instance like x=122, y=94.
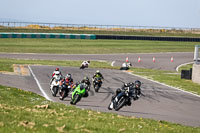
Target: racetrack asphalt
x=159, y=102
x=162, y=60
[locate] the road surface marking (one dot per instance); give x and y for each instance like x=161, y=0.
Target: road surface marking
x=38, y=83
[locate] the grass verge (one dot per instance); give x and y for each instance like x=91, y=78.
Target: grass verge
x=169, y=78
x=80, y=46
x=7, y=64
x=22, y=111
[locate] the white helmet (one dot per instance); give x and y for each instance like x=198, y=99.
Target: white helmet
x=97, y=71
x=57, y=72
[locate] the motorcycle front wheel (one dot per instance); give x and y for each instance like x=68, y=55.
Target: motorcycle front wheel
x=77, y=97
x=55, y=91
x=120, y=103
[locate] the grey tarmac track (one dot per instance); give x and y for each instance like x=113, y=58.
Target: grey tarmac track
x=159, y=102
x=162, y=60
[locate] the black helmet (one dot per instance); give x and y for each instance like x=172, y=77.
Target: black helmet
x=86, y=78
x=137, y=84
x=83, y=86
x=68, y=76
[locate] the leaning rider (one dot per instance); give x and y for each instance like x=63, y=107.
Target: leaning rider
x=56, y=70
x=97, y=75
x=85, y=63
x=134, y=90
x=69, y=79
x=86, y=80
x=56, y=74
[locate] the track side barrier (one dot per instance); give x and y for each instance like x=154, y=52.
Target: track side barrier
x=151, y=38
x=47, y=35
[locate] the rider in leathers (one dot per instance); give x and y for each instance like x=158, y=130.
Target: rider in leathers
x=134, y=91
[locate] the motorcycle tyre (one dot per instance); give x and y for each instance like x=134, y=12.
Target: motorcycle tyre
x=55, y=90
x=76, y=99
x=120, y=104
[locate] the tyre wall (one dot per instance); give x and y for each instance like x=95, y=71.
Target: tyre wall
x=92, y=36
x=47, y=35
x=152, y=38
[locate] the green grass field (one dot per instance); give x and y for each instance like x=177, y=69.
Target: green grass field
x=78, y=46
x=26, y=112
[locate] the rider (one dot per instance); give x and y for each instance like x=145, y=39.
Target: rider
x=82, y=86
x=68, y=81
x=85, y=63
x=126, y=66
x=56, y=70
x=134, y=90
x=134, y=87
x=56, y=73
x=68, y=78
x=86, y=80
x=97, y=75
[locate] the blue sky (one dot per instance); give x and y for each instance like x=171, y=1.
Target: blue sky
x=163, y=13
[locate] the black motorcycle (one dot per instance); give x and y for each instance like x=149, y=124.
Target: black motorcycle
x=122, y=99
x=65, y=88
x=97, y=83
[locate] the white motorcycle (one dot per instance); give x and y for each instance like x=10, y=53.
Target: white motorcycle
x=126, y=66
x=84, y=64
x=54, y=87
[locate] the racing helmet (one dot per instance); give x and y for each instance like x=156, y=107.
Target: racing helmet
x=57, y=72
x=83, y=86
x=137, y=84
x=68, y=76
x=97, y=71
x=57, y=69
x=86, y=80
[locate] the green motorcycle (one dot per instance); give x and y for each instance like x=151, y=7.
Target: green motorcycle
x=78, y=93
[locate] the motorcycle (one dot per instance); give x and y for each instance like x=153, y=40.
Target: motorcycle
x=122, y=99
x=83, y=66
x=97, y=82
x=126, y=66
x=54, y=87
x=65, y=88
x=78, y=93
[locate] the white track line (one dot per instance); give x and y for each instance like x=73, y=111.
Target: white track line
x=183, y=65
x=38, y=83
x=163, y=84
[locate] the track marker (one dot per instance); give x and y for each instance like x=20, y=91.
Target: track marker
x=139, y=59
x=154, y=59
x=126, y=59
x=172, y=59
